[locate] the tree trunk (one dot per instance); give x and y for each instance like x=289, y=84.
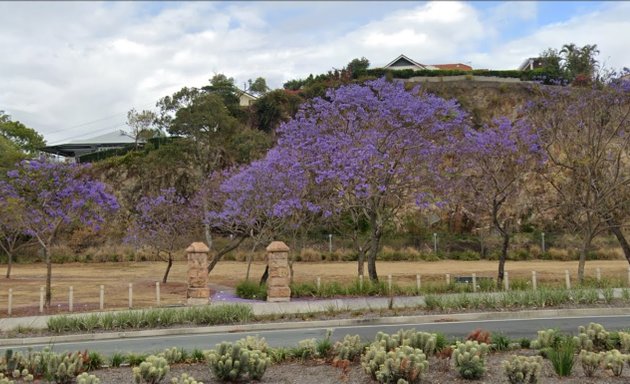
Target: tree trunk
x=586, y=246
x=168, y=267
x=373, y=252
x=208, y=235
x=505, y=234
x=249, y=259
x=265, y=276
x=503, y=257
x=9, y=264
x=48, y=277
x=361, y=261
x=228, y=248
x=616, y=230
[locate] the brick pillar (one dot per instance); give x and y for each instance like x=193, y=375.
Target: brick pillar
x=198, y=291
x=278, y=281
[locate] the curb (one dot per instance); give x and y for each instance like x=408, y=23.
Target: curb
x=418, y=319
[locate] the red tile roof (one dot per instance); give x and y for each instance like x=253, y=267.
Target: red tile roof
x=451, y=67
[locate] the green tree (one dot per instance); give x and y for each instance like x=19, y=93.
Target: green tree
x=224, y=87
x=258, y=86
x=213, y=137
x=274, y=108
x=358, y=66
x=17, y=142
x=580, y=62
x=141, y=124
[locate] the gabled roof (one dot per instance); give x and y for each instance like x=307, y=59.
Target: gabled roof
x=243, y=93
x=407, y=62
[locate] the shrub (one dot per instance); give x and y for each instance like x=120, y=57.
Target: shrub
x=349, y=348
x=469, y=358
x=172, y=355
x=310, y=254
x=228, y=362
x=546, y=339
x=324, y=346
x=562, y=355
x=151, y=371
x=524, y=342
x=590, y=361
x=306, y=348
x=522, y=369
x=94, y=361
x=403, y=363
x=84, y=378
x=184, y=379
x=624, y=341
x=500, y=342
x=248, y=289
x=594, y=337
x=117, y=359
x=254, y=343
x=231, y=362
x=63, y=369
x=614, y=360
x=373, y=358
x=479, y=335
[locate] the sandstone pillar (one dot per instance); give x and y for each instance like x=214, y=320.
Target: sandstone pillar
x=198, y=292
x=278, y=263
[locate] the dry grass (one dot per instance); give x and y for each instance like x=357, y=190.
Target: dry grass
x=86, y=278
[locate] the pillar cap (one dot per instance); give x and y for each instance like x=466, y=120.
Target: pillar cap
x=197, y=247
x=277, y=246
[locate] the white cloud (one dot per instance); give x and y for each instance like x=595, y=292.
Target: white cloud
x=65, y=64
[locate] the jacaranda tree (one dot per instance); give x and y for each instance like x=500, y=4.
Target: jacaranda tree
x=375, y=149
x=53, y=194
x=163, y=222
x=267, y=197
x=586, y=137
x=497, y=162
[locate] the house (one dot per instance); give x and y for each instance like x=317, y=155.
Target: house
x=79, y=148
x=404, y=62
x=246, y=99
x=530, y=64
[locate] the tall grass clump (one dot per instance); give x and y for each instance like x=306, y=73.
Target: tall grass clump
x=562, y=356
x=162, y=317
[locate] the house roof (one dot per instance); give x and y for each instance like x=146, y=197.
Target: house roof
x=403, y=60
x=457, y=66
x=406, y=61
x=243, y=93
x=116, y=139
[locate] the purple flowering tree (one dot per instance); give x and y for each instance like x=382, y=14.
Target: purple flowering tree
x=586, y=136
x=497, y=163
x=373, y=149
x=162, y=222
x=263, y=199
x=52, y=195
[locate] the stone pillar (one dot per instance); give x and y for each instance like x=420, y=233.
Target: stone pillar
x=198, y=291
x=278, y=263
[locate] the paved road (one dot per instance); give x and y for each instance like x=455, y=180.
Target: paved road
x=512, y=328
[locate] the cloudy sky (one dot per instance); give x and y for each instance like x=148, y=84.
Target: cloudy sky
x=72, y=70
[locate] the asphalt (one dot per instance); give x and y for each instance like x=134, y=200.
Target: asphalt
x=304, y=306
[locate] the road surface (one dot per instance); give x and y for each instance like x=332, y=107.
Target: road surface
x=512, y=328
